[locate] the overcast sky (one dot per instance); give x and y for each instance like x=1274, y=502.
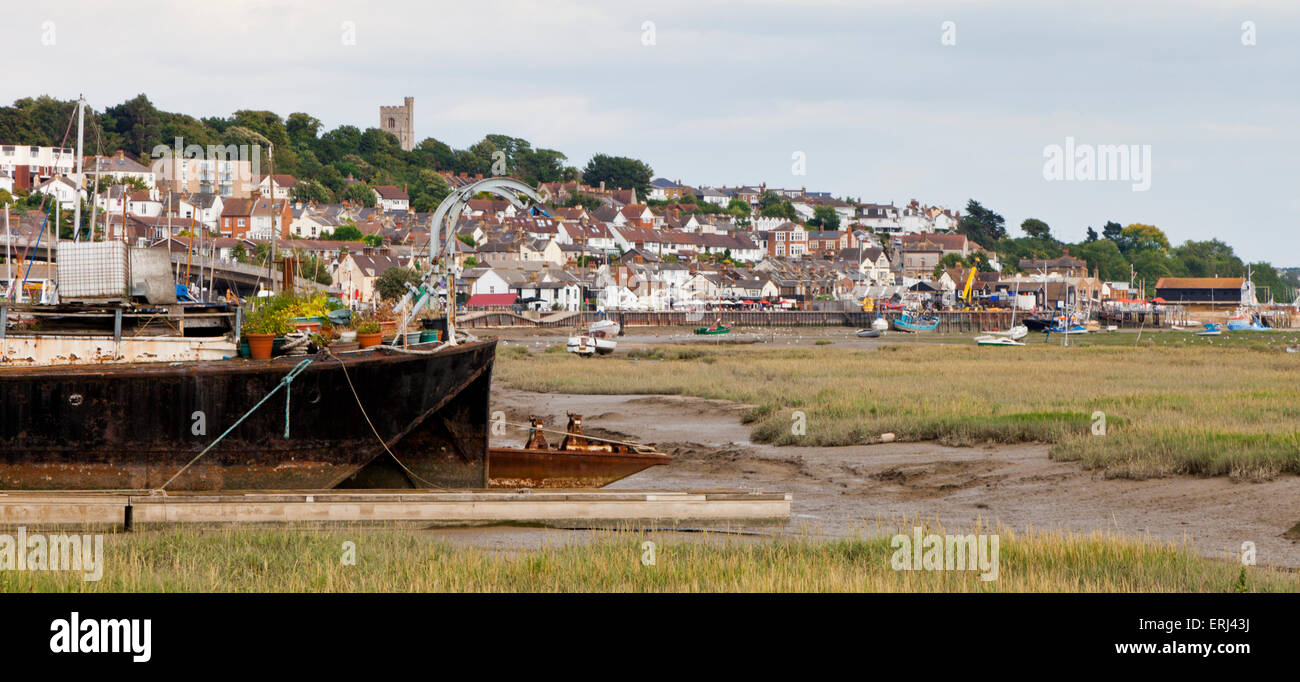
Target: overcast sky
x=727, y=92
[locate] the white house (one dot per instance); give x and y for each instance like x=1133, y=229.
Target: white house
x=62, y=189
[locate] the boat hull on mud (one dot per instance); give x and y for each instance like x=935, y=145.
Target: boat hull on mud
x=552, y=468
x=118, y=427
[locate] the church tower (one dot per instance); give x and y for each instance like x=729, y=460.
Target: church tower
x=400, y=121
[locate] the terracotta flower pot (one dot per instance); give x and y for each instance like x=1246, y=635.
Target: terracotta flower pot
x=259, y=345
x=388, y=328
x=368, y=340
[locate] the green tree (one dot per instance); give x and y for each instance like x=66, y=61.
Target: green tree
x=1141, y=237
x=311, y=190
x=360, y=193
x=392, y=283
x=1036, y=228
x=346, y=233
x=981, y=225
x=825, y=217
x=618, y=172
x=1103, y=257
x=773, y=205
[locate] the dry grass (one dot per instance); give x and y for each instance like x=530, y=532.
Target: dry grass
x=291, y=560
x=1170, y=407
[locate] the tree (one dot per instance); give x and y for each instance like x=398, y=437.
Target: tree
x=392, y=283
x=1112, y=231
x=346, y=233
x=618, y=172
x=1103, y=257
x=239, y=253
x=1036, y=228
x=825, y=217
x=773, y=205
x=360, y=193
x=1140, y=237
x=982, y=226
x=428, y=191
x=311, y=190
x=1092, y=234
x=372, y=240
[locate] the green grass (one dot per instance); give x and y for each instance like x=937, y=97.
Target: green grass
x=1171, y=405
x=292, y=560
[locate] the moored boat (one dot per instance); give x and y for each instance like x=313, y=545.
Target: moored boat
x=912, y=322
x=136, y=425
x=587, y=345
x=579, y=461
x=868, y=333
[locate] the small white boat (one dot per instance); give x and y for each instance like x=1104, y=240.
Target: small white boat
x=879, y=324
x=587, y=345
x=606, y=328
x=869, y=333
x=996, y=341
x=1017, y=332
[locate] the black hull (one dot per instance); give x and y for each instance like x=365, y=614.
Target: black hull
x=134, y=426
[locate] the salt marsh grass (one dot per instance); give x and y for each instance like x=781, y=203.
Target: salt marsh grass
x=1169, y=407
x=391, y=560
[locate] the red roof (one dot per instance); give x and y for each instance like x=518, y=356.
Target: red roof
x=489, y=300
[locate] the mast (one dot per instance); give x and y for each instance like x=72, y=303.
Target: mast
x=81, y=180
x=9, y=259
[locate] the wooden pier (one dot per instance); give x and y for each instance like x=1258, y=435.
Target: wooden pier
x=432, y=507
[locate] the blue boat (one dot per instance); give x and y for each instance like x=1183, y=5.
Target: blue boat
x=1211, y=329
x=910, y=322
x=1249, y=324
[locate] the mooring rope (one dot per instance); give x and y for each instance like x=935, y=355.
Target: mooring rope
x=375, y=431
x=284, y=383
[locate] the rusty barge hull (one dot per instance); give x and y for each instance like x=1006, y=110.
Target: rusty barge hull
x=123, y=427
x=553, y=468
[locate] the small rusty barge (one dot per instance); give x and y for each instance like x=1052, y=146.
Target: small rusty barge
x=579, y=461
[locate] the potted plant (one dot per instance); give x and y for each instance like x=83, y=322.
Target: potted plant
x=261, y=327
x=369, y=333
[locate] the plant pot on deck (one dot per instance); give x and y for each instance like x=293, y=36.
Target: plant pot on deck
x=368, y=340
x=388, y=328
x=259, y=345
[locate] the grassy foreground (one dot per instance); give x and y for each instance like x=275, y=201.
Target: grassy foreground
x=1173, y=404
x=288, y=560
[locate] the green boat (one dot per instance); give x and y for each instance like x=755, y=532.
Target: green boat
x=717, y=329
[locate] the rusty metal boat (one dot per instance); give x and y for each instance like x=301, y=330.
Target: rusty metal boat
x=133, y=425
x=579, y=461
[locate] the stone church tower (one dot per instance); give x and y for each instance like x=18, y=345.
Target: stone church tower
x=400, y=121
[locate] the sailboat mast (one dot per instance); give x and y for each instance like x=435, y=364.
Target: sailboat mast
x=81, y=180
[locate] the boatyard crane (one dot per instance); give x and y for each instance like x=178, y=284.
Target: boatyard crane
x=446, y=268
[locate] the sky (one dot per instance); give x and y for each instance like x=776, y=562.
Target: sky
x=939, y=101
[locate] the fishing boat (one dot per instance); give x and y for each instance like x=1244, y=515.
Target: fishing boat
x=716, y=328
x=587, y=345
x=997, y=341
x=912, y=322
x=1245, y=320
x=868, y=333
x=578, y=461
